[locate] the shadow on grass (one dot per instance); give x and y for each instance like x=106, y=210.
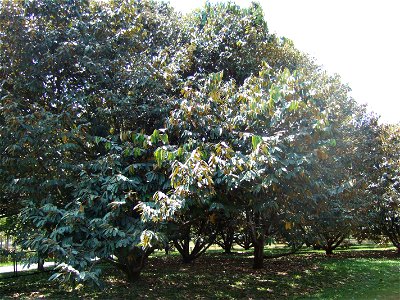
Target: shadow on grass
x=358, y=274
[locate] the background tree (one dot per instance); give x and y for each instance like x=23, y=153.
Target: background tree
x=383, y=213
x=332, y=208
x=251, y=159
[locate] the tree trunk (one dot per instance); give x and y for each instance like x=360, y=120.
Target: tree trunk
x=132, y=261
x=187, y=259
x=258, y=261
x=228, y=237
x=228, y=249
x=227, y=244
x=184, y=250
x=247, y=246
x=41, y=264
x=317, y=247
x=328, y=250
x=200, y=246
x=132, y=275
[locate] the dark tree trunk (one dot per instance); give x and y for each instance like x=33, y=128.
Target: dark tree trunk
x=393, y=233
x=328, y=250
x=317, y=247
x=187, y=259
x=41, y=264
x=333, y=243
x=189, y=256
x=227, y=240
x=200, y=245
x=228, y=249
x=183, y=247
x=329, y=247
x=245, y=241
x=258, y=261
x=132, y=274
x=247, y=246
x=228, y=243
x=132, y=261
x=258, y=231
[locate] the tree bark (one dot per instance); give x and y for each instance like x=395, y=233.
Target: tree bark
x=228, y=238
x=131, y=261
x=132, y=275
x=228, y=249
x=328, y=250
x=317, y=247
x=41, y=264
x=258, y=261
x=200, y=245
x=227, y=243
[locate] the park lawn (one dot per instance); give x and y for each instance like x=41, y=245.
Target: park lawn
x=346, y=275
x=356, y=278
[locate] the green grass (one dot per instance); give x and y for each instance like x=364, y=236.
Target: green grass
x=355, y=278
x=353, y=274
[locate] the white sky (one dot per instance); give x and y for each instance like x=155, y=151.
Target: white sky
x=358, y=39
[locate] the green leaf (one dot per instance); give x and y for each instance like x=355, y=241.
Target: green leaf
x=294, y=105
x=154, y=138
x=255, y=141
x=164, y=138
x=159, y=156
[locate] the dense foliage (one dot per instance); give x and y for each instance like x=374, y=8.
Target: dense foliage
x=126, y=127
x=383, y=211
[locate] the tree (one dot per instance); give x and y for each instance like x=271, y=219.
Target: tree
x=250, y=135
x=254, y=147
x=199, y=232
x=332, y=208
x=124, y=126
x=224, y=39
x=384, y=209
x=243, y=236
x=227, y=227
x=85, y=86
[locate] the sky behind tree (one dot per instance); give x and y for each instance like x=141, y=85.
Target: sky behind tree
x=358, y=39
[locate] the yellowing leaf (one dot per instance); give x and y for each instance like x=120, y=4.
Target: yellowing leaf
x=213, y=218
x=288, y=225
x=321, y=154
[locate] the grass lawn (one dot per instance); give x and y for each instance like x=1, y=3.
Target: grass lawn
x=373, y=274
x=5, y=264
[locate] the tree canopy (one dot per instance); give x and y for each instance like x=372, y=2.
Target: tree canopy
x=125, y=126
